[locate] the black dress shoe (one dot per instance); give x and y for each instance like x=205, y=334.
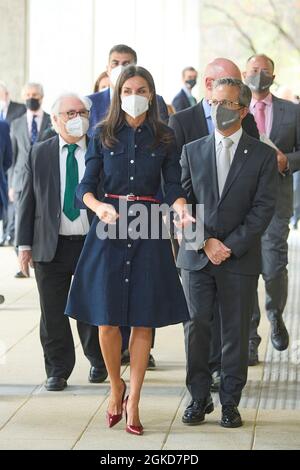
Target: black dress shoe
x=20, y=275
x=55, y=384
x=279, y=334
x=196, y=411
x=97, y=375
x=215, y=381
x=231, y=417
x=2, y=299
x=125, y=358
x=151, y=363
x=253, y=354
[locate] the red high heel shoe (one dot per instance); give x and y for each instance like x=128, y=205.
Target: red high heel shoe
x=130, y=428
x=112, y=420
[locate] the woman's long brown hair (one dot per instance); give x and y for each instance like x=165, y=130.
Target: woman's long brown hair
x=116, y=116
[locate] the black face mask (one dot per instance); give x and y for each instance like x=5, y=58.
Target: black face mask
x=33, y=104
x=190, y=83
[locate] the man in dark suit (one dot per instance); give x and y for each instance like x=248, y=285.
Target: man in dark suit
x=279, y=121
x=5, y=162
x=234, y=177
x=184, y=99
x=9, y=110
x=192, y=124
x=25, y=132
x=51, y=233
x=119, y=57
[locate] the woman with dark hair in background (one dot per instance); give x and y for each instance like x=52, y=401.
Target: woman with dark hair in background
x=102, y=82
x=129, y=282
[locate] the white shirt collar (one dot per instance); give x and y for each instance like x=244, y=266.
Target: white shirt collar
x=81, y=143
x=234, y=137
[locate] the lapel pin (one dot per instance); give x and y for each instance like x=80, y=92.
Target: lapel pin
x=246, y=151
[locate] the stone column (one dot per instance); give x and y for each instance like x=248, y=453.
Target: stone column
x=14, y=44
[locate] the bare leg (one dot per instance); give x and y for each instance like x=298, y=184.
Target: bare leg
x=110, y=343
x=139, y=348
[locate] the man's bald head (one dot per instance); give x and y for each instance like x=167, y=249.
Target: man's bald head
x=219, y=68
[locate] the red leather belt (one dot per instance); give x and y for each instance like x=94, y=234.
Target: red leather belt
x=132, y=197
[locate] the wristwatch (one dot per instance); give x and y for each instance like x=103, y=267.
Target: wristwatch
x=203, y=244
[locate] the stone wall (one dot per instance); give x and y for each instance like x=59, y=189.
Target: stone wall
x=14, y=44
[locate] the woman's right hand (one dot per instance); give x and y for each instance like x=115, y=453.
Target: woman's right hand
x=107, y=213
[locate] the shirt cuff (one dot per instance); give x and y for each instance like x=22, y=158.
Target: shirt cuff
x=24, y=248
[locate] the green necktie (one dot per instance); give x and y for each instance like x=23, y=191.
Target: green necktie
x=72, y=181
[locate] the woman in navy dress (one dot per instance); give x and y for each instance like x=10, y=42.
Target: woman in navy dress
x=127, y=281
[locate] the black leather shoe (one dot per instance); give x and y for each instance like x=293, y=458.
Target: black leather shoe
x=20, y=275
x=125, y=358
x=253, y=354
x=196, y=411
x=2, y=299
x=231, y=417
x=97, y=375
x=279, y=334
x=215, y=381
x=151, y=363
x=55, y=384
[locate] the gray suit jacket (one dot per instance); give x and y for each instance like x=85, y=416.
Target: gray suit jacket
x=285, y=134
x=21, y=147
x=240, y=216
x=15, y=110
x=40, y=202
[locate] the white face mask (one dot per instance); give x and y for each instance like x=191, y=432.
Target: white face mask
x=135, y=105
x=77, y=127
x=115, y=73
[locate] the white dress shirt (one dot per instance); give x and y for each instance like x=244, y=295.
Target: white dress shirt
x=5, y=110
x=235, y=139
x=79, y=226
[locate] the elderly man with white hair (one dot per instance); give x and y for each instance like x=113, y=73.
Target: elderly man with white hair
x=51, y=233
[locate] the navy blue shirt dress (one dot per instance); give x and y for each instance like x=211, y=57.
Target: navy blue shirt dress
x=126, y=282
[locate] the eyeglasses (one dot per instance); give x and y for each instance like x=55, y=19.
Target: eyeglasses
x=226, y=104
x=72, y=114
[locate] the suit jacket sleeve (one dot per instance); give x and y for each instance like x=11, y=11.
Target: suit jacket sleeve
x=262, y=210
x=174, y=123
x=26, y=211
x=171, y=175
x=294, y=157
x=186, y=181
x=14, y=144
x=7, y=159
x=93, y=168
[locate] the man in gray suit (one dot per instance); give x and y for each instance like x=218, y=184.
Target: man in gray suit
x=235, y=177
x=278, y=120
x=25, y=132
x=51, y=234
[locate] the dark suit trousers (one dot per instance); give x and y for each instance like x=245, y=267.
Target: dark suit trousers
x=53, y=281
x=274, y=249
x=236, y=298
x=9, y=222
